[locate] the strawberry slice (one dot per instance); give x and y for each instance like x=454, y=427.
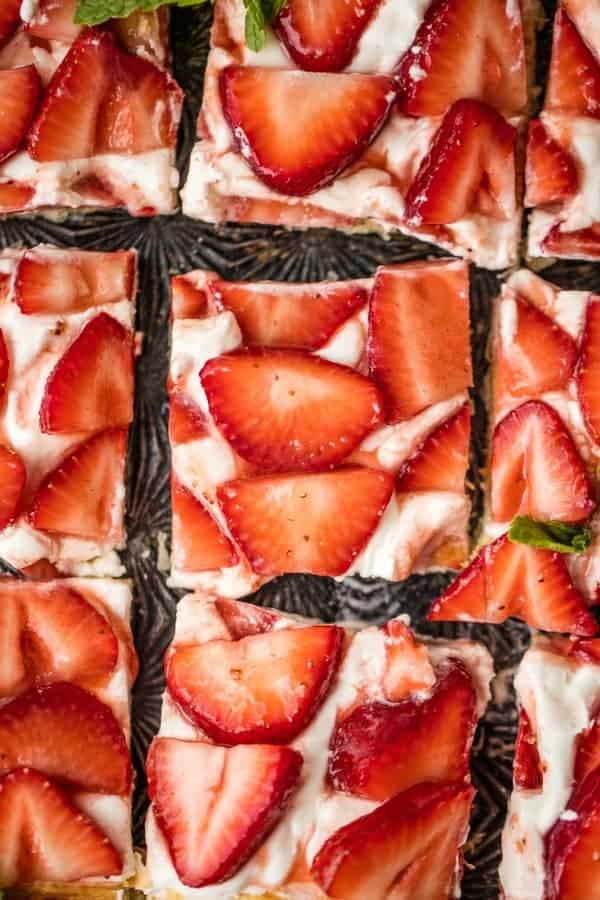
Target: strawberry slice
x=299, y=316
x=199, y=545
x=14, y=196
x=551, y=173
x=407, y=665
x=80, y=496
x=323, y=37
x=215, y=820
x=13, y=476
x=374, y=855
x=441, y=461
x=20, y=91
x=91, y=386
x=588, y=371
x=574, y=77
x=587, y=756
x=581, y=244
x=187, y=421
x=315, y=523
x=381, y=749
x=10, y=19
x=465, y=48
x=528, y=774
x=287, y=410
x=244, y=619
x=470, y=168
x=281, y=678
x=4, y=364
x=67, y=733
x=571, y=846
x=507, y=579
x=187, y=300
x=13, y=671
x=281, y=122
x=536, y=469
x=54, y=282
x=419, y=346
x=53, y=20
x=45, y=838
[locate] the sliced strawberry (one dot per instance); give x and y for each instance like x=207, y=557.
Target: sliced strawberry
x=407, y=665
x=215, y=819
x=281, y=122
x=587, y=756
x=187, y=301
x=67, y=733
x=12, y=481
x=297, y=316
x=581, y=244
x=574, y=78
x=45, y=838
x=470, y=168
x=588, y=373
x=571, y=846
x=244, y=619
x=528, y=774
x=323, y=37
x=187, y=422
x=10, y=19
x=507, y=579
x=441, y=461
x=316, y=523
x=41, y=570
x=536, y=469
x=264, y=687
x=285, y=410
x=198, y=543
x=373, y=855
x=551, y=173
x=4, y=364
x=80, y=496
x=53, y=20
x=419, y=346
x=465, y=48
x=56, y=282
x=13, y=671
x=91, y=386
x=14, y=196
x=20, y=91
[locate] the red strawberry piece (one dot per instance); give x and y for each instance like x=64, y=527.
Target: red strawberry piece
x=465, y=48
x=13, y=673
x=571, y=846
x=12, y=481
x=374, y=855
x=45, y=838
x=528, y=774
x=244, y=619
x=574, y=78
x=281, y=122
x=581, y=244
x=507, y=579
x=441, y=461
x=56, y=282
x=287, y=410
x=470, y=168
x=20, y=91
x=187, y=422
x=14, y=196
x=102, y=100
x=264, y=687
x=536, y=469
x=198, y=542
x=80, y=496
x=187, y=300
x=41, y=570
x=214, y=821
x=407, y=665
x=381, y=749
x=323, y=37
x=315, y=523
x=10, y=19
x=297, y=316
x=551, y=173
x=53, y=20
x=419, y=346
x=587, y=756
x=589, y=370
x=91, y=386
x=67, y=733
x=4, y=364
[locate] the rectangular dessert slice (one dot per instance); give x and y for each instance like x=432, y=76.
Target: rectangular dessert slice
x=89, y=115
x=286, y=745
x=564, y=143
x=348, y=118
x=68, y=665
x=552, y=832
x=319, y=428
x=67, y=348
x=544, y=464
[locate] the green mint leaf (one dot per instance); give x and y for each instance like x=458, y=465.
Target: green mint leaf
x=255, y=25
x=556, y=536
x=94, y=12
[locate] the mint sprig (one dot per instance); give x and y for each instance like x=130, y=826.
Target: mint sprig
x=557, y=536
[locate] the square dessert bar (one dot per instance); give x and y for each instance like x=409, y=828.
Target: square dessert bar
x=67, y=668
x=67, y=347
x=310, y=760
x=552, y=833
x=382, y=115
x=320, y=428
x=544, y=462
x=564, y=143
x=89, y=115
